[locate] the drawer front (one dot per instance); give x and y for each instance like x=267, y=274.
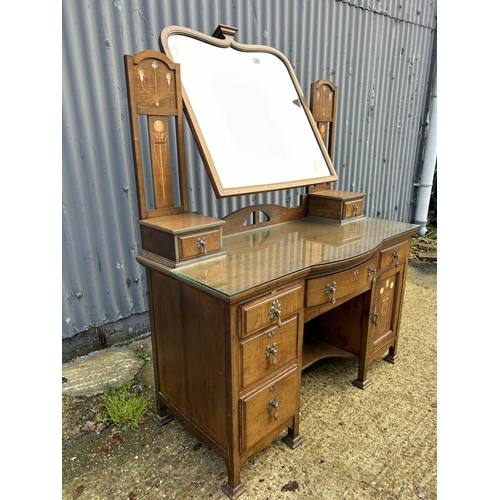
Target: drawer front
x=199, y=244
x=353, y=208
x=394, y=255
x=270, y=310
x=266, y=411
x=268, y=352
x=333, y=287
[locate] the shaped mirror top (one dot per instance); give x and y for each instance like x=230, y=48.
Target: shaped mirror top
x=250, y=120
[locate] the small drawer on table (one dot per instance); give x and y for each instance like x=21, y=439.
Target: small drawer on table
x=270, y=310
x=174, y=239
x=394, y=255
x=353, y=208
x=268, y=352
x=327, y=290
x=337, y=205
x=268, y=410
x=198, y=244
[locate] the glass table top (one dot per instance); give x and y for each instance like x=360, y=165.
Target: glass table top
x=259, y=256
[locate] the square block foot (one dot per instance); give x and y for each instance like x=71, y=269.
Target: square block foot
x=293, y=443
x=233, y=493
x=163, y=420
x=392, y=359
x=361, y=384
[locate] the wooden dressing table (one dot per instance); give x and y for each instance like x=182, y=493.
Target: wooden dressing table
x=240, y=306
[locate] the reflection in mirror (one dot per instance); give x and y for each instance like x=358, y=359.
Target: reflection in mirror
x=248, y=115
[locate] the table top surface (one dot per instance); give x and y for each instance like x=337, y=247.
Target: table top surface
x=260, y=256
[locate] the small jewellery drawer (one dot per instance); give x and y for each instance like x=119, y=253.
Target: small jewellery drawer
x=270, y=310
x=333, y=287
x=269, y=409
x=337, y=205
x=175, y=239
x=197, y=244
x=353, y=208
x=394, y=255
x=268, y=352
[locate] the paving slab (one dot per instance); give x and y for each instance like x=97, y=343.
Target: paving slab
x=90, y=375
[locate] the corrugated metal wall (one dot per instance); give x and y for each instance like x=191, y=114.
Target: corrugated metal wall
x=379, y=52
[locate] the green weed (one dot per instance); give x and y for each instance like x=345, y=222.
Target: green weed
x=122, y=408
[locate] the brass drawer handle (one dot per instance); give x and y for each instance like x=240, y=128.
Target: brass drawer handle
x=395, y=256
x=202, y=242
x=274, y=404
x=375, y=316
x=373, y=271
x=276, y=311
x=272, y=351
x=355, y=209
x=331, y=289
x=395, y=253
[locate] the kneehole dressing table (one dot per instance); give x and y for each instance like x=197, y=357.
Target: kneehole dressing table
x=239, y=306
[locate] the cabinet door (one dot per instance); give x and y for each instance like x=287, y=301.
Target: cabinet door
x=385, y=310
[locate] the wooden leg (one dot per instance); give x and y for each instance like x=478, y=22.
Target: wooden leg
x=361, y=384
x=162, y=417
x=362, y=381
x=235, y=492
x=392, y=357
x=293, y=439
x=234, y=487
x=293, y=442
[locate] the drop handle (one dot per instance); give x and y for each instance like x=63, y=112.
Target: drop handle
x=373, y=271
x=375, y=316
x=331, y=288
x=274, y=404
x=202, y=242
x=395, y=256
x=272, y=351
x=275, y=311
x=355, y=209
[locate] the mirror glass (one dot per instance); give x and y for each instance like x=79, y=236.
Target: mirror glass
x=252, y=126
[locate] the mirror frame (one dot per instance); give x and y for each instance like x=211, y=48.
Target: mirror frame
x=223, y=37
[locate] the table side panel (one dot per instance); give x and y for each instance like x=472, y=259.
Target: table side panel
x=190, y=329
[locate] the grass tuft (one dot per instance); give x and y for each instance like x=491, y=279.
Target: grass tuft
x=122, y=408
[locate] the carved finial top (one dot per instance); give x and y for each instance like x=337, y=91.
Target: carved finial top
x=223, y=31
